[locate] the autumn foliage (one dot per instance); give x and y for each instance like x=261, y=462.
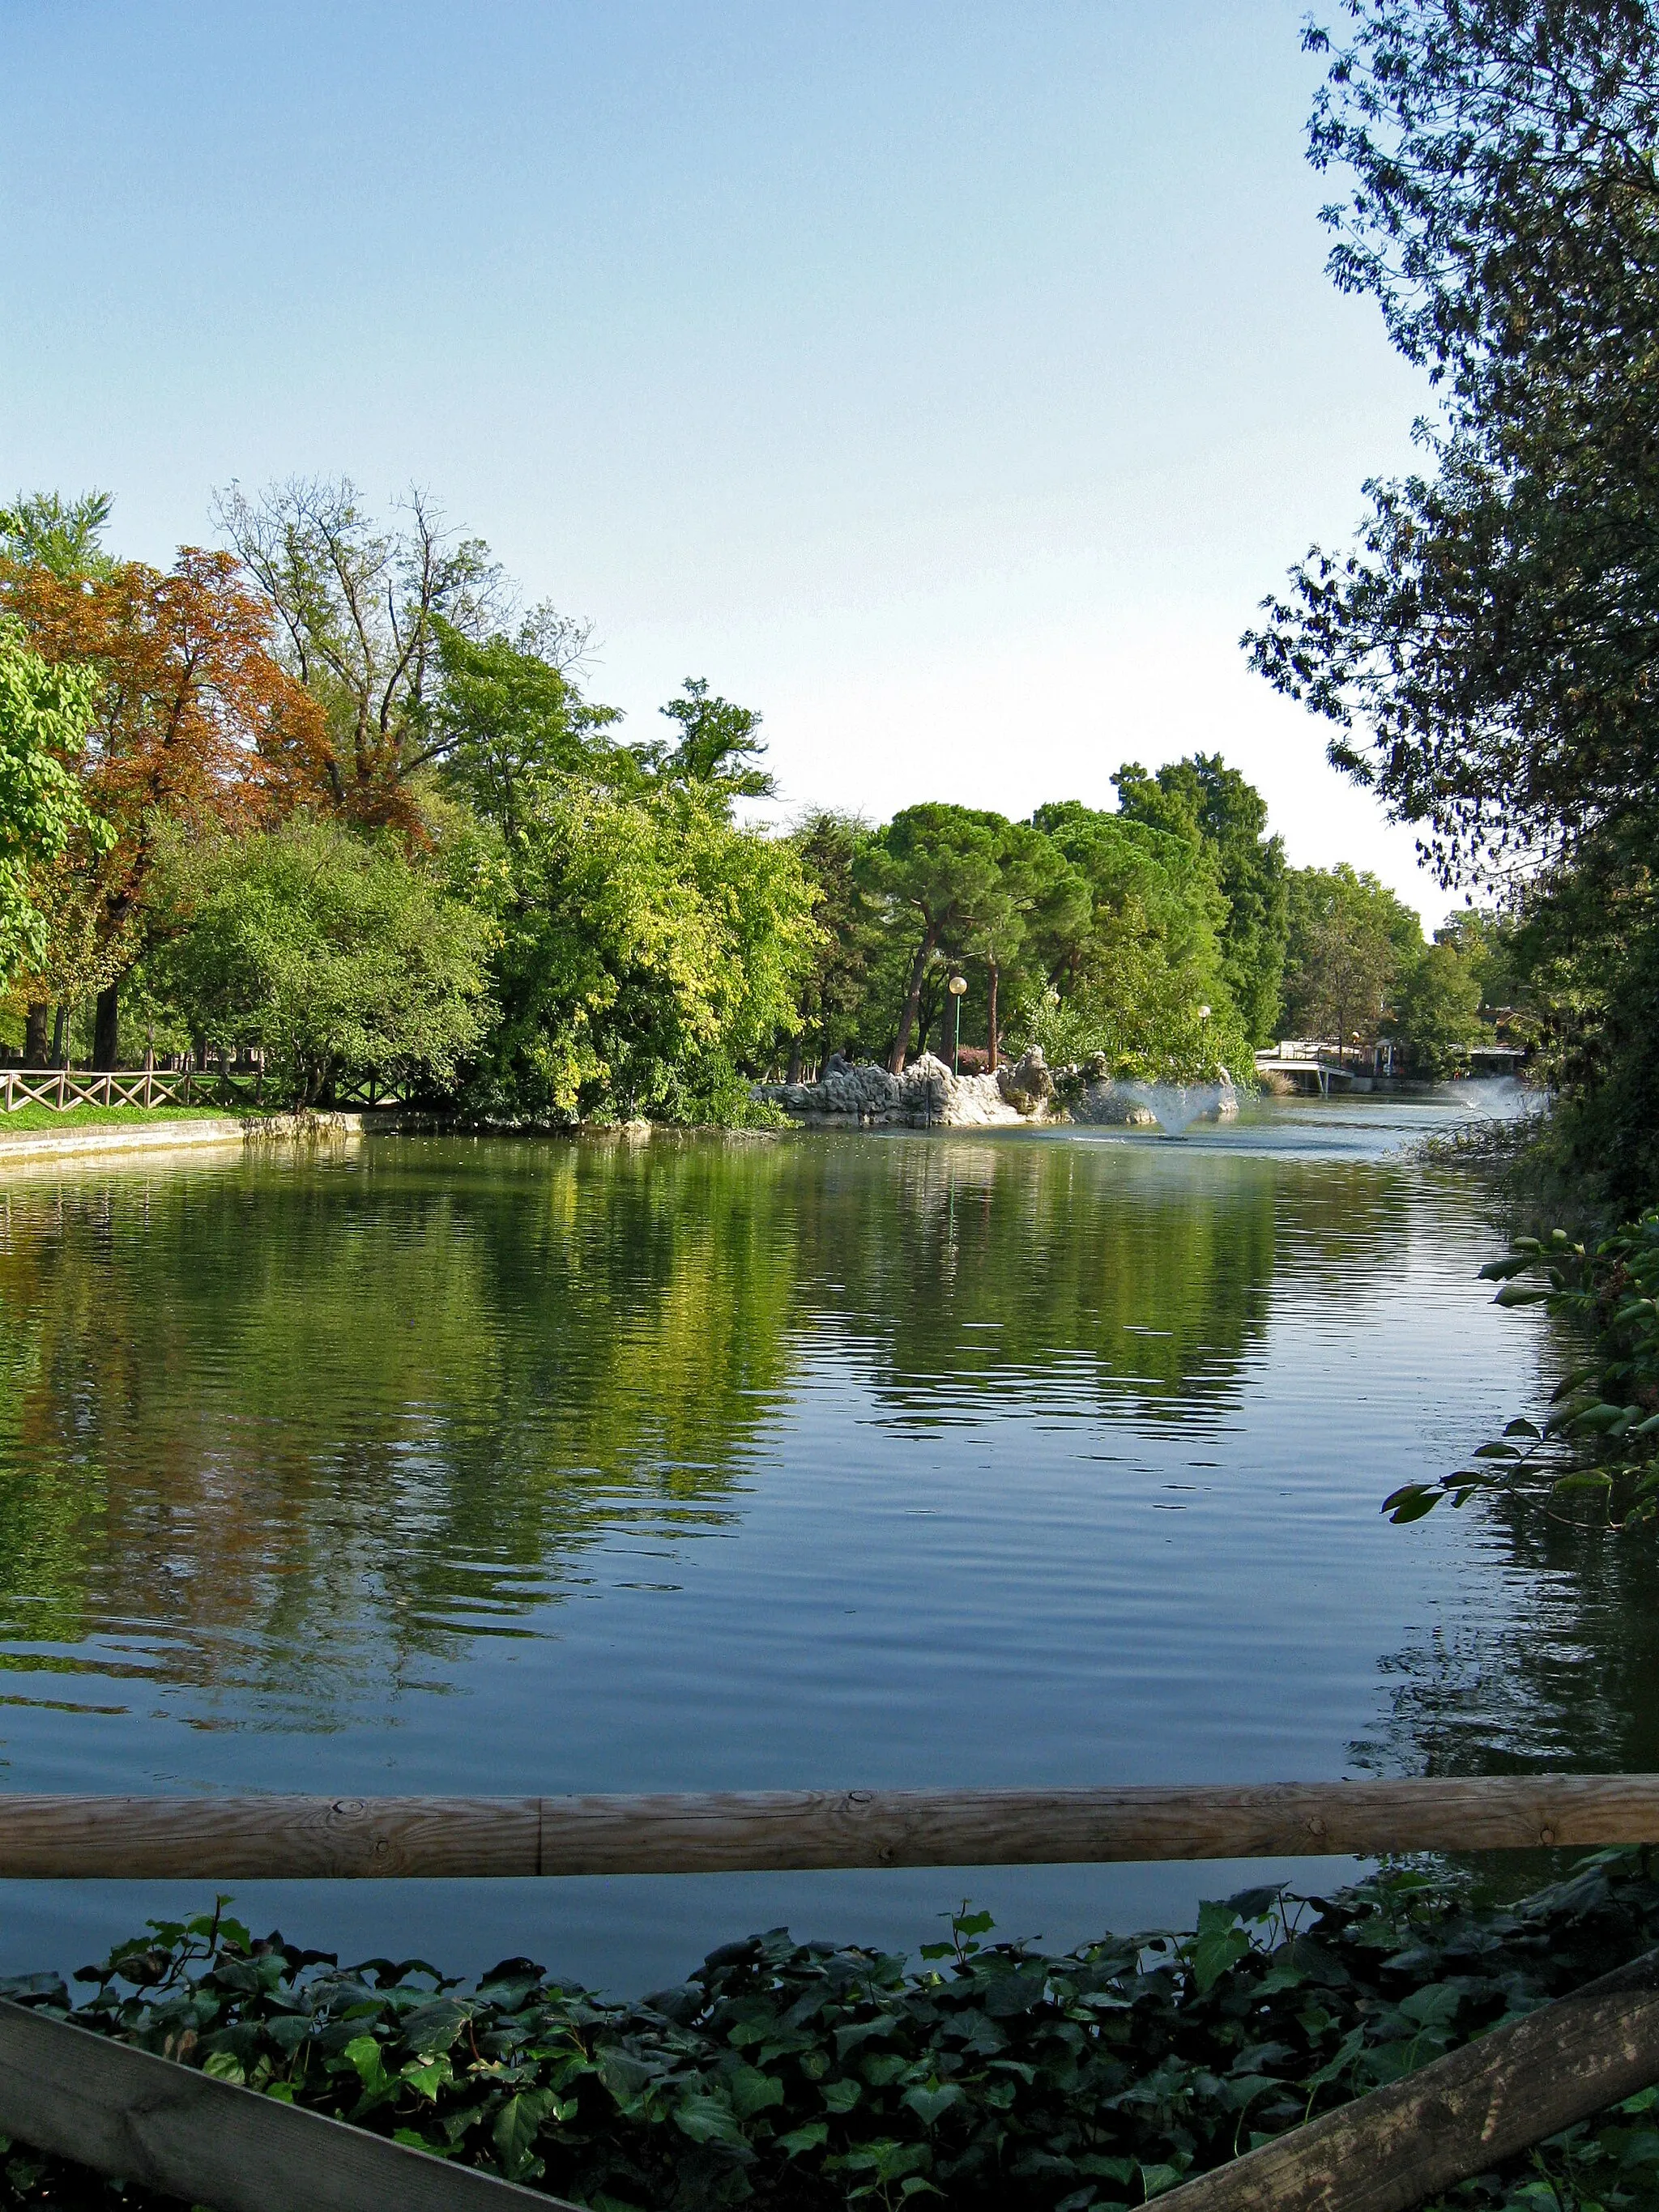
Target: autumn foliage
x=196, y=723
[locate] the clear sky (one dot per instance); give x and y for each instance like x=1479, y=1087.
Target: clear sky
x=949, y=381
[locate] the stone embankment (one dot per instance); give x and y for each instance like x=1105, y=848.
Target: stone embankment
x=927, y=1095
x=163, y=1134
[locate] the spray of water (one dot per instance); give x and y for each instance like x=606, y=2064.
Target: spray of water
x=1496, y=1097
x=1177, y=1106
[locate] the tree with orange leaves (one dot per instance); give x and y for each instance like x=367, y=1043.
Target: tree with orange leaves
x=196, y=725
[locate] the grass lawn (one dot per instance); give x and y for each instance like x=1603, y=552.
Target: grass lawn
x=32, y=1118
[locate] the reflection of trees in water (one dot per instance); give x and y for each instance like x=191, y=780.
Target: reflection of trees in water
x=293, y=1415
x=310, y=1432
x=970, y=1275
x=1566, y=1679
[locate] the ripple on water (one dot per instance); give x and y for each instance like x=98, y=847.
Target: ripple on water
x=462, y=1466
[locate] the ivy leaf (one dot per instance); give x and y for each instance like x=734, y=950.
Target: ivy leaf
x=517, y=2125
x=362, y=2054
x=1220, y=1943
x=849, y=2039
x=799, y=2140
x=623, y=2075
x=708, y=2120
x=930, y=2105
x=752, y=2091
x=1155, y=2179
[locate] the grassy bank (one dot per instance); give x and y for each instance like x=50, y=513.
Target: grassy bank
x=806, y=2077
x=28, y=1120
x=31, y=1120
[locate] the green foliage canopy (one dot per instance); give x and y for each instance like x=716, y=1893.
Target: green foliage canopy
x=334, y=953
x=1211, y=806
x=1437, y=1010
x=45, y=711
x=649, y=948
x=1349, y=937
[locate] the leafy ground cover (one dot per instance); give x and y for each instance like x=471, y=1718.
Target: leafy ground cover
x=801, y=2076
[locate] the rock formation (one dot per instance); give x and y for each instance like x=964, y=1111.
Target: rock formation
x=927, y=1095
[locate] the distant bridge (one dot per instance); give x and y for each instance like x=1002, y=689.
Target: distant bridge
x=1323, y=1067
x=1312, y=1068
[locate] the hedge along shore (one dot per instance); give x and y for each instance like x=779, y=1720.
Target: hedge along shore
x=185, y=1133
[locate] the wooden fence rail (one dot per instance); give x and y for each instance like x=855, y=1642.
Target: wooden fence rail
x=125, y=2113
x=1461, y=2115
x=251, y=1839
x=62, y=1088
x=136, y=2118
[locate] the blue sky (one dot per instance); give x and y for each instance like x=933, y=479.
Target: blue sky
x=948, y=382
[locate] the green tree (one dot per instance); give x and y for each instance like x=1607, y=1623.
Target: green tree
x=1488, y=942
x=1350, y=936
x=837, y=989
x=938, y=868
x=1437, y=1010
x=1037, y=899
x=46, y=712
x=718, y=750
x=334, y=953
x=1201, y=799
x=650, y=953
x=1487, y=650
x=509, y=717
x=65, y=536
x=1136, y=971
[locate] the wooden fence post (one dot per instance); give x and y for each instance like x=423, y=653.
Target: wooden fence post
x=136, y=2118
x=1462, y=2115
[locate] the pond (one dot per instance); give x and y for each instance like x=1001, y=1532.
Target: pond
x=489, y=1466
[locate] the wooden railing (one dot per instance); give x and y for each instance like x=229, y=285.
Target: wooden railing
x=740, y=1832
x=126, y=2114
x=63, y=1088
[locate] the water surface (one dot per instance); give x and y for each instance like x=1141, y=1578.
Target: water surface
x=471, y=1464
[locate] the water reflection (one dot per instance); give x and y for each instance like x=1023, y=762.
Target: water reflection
x=481, y=1466
x=398, y=1397
x=1565, y=1679
x=305, y=1442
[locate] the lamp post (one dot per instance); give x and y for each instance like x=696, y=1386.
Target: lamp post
x=955, y=986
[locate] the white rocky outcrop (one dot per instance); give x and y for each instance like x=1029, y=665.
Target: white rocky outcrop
x=926, y=1095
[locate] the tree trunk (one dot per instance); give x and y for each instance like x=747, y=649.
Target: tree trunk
x=992, y=1039
x=793, y=1075
x=913, y=999
x=59, y=1030
x=35, y=1023
x=106, y=1027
